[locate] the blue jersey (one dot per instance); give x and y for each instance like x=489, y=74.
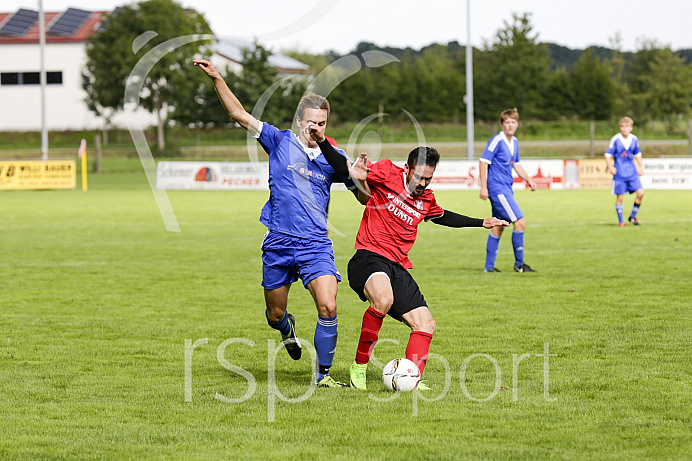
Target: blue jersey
x=299, y=183
x=500, y=156
x=623, y=152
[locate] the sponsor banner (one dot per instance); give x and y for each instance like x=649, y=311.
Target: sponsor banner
x=594, y=175
x=547, y=174
x=667, y=173
x=455, y=175
x=571, y=179
x=215, y=176
x=449, y=175
x=464, y=175
x=212, y=175
x=38, y=174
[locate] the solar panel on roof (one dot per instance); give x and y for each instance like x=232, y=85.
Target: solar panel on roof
x=19, y=23
x=69, y=22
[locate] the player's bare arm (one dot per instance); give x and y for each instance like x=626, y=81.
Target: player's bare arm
x=522, y=174
x=610, y=164
x=359, y=173
x=483, y=171
x=639, y=164
x=233, y=107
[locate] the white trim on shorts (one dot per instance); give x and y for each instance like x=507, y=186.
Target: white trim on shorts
x=507, y=207
x=375, y=273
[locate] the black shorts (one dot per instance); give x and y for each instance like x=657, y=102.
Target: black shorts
x=407, y=295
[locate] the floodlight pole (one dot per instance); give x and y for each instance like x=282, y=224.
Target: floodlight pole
x=469, y=85
x=42, y=77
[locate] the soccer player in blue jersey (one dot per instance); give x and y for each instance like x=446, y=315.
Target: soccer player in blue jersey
x=500, y=156
x=625, y=164
x=296, y=244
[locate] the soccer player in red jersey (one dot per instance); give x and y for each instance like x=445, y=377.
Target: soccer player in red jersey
x=399, y=201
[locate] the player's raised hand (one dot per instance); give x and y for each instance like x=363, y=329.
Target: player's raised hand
x=207, y=67
x=315, y=134
x=359, y=170
x=489, y=223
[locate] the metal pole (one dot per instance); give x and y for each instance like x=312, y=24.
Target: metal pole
x=42, y=77
x=469, y=85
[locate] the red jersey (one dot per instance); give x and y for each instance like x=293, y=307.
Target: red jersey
x=391, y=217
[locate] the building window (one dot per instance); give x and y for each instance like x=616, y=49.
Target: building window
x=29, y=78
x=9, y=78
x=54, y=78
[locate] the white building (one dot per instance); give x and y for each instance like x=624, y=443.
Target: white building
x=64, y=59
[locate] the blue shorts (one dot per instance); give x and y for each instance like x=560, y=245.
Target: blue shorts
x=620, y=186
x=286, y=258
x=505, y=207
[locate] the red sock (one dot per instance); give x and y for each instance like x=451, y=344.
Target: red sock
x=417, y=348
x=372, y=322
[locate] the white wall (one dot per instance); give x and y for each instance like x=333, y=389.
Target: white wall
x=20, y=105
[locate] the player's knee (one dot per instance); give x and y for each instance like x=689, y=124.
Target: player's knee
x=327, y=309
x=426, y=325
x=430, y=326
x=382, y=303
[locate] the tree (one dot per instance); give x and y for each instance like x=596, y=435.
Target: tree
x=511, y=72
x=663, y=83
x=560, y=101
x=110, y=59
x=593, y=88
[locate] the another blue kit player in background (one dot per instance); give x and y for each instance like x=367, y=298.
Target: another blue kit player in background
x=625, y=164
x=499, y=158
x=296, y=244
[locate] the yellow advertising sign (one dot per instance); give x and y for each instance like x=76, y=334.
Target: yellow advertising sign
x=38, y=174
x=594, y=175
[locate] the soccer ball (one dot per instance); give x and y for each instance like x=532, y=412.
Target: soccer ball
x=400, y=375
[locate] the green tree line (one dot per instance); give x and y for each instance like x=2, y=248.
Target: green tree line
x=513, y=69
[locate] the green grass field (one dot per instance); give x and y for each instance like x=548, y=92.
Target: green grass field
x=97, y=302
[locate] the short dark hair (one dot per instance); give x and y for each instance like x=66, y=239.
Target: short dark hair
x=432, y=157
x=312, y=101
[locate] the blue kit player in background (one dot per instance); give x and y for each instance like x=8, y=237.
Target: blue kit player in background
x=500, y=156
x=296, y=244
x=625, y=164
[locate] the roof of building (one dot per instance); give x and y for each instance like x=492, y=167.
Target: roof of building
x=72, y=25
x=75, y=25
x=232, y=49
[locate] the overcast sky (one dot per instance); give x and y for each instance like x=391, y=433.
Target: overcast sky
x=317, y=26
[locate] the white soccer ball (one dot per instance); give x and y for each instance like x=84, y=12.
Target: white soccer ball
x=400, y=375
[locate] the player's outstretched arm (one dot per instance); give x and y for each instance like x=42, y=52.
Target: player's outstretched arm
x=489, y=223
x=233, y=107
x=452, y=219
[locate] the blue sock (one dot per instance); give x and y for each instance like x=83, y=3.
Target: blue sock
x=491, y=250
x=618, y=208
x=635, y=210
x=283, y=326
x=518, y=245
x=325, y=344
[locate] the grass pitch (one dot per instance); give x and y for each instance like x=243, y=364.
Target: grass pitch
x=587, y=359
